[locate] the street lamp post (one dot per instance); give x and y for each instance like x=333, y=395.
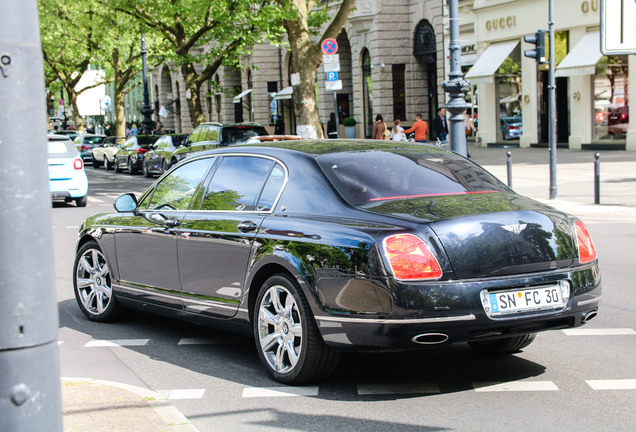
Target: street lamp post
x=146, y=111
x=456, y=86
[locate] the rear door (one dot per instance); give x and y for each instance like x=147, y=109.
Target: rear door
x=215, y=243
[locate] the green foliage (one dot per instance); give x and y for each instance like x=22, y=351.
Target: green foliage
x=349, y=121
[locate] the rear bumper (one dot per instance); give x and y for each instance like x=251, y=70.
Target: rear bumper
x=433, y=314
x=73, y=188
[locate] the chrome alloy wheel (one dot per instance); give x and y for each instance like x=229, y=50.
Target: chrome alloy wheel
x=93, y=282
x=280, y=329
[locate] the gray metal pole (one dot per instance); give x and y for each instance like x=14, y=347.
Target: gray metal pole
x=456, y=86
x=146, y=111
x=552, y=107
x=30, y=395
x=335, y=106
x=509, y=166
x=597, y=178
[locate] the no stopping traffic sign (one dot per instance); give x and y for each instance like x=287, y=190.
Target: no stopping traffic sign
x=329, y=46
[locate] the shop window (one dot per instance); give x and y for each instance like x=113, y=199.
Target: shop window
x=611, y=107
x=509, y=94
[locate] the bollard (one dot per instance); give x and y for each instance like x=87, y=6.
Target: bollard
x=509, y=165
x=597, y=178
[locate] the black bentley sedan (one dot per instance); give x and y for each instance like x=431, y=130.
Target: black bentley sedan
x=315, y=247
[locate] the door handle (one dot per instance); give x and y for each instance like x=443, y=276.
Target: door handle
x=171, y=223
x=246, y=226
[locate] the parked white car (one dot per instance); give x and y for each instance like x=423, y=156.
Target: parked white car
x=104, y=154
x=67, y=178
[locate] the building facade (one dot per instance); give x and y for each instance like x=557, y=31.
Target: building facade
x=592, y=92
x=391, y=56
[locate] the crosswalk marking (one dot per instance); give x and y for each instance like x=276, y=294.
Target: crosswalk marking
x=117, y=342
x=96, y=200
x=210, y=340
x=624, y=384
x=252, y=392
x=381, y=389
x=599, y=332
x=515, y=386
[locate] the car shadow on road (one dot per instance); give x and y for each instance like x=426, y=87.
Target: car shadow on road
x=230, y=357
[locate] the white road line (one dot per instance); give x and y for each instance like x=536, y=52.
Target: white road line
x=211, y=340
x=382, y=389
x=182, y=393
x=515, y=386
x=93, y=199
x=252, y=392
x=599, y=332
x=117, y=342
x=624, y=384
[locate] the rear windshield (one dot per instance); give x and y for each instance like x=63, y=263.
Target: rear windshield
x=93, y=139
x=240, y=134
x=61, y=148
x=147, y=140
x=367, y=178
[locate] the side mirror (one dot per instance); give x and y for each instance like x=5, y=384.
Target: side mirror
x=126, y=203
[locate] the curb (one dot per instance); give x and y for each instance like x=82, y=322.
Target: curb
x=173, y=419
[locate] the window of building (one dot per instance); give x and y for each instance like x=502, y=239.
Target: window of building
x=611, y=106
x=509, y=94
x=399, y=92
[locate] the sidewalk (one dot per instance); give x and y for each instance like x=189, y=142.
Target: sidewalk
x=575, y=179
x=104, y=406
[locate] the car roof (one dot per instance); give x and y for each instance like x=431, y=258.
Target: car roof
x=230, y=124
x=326, y=146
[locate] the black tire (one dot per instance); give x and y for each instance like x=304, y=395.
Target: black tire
x=132, y=167
x=81, y=202
x=508, y=345
x=92, y=283
x=145, y=171
x=164, y=166
x=96, y=164
x=287, y=339
x=107, y=164
x=116, y=165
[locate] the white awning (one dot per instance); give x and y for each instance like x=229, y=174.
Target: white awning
x=285, y=93
x=486, y=65
x=582, y=59
x=238, y=97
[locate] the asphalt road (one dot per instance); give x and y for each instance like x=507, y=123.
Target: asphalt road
x=583, y=380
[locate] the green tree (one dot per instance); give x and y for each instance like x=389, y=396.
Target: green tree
x=303, y=19
x=204, y=35
x=69, y=38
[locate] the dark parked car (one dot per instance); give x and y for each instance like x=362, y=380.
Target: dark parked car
x=131, y=154
x=85, y=143
x=208, y=136
x=158, y=159
x=315, y=247
x=511, y=127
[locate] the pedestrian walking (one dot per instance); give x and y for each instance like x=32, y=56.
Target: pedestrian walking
x=133, y=130
x=380, y=131
x=469, y=125
x=107, y=131
x=440, y=125
x=331, y=126
x=420, y=128
x=397, y=132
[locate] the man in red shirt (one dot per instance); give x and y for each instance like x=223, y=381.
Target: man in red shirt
x=420, y=128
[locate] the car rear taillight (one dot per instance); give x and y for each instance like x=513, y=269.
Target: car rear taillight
x=512, y=128
x=141, y=150
x=410, y=258
x=85, y=147
x=587, y=252
x=78, y=164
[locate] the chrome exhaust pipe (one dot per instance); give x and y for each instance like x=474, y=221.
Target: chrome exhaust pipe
x=429, y=338
x=588, y=316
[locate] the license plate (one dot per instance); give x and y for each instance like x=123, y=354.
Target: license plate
x=510, y=302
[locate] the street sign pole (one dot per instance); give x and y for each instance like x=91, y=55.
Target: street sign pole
x=30, y=395
x=331, y=66
x=335, y=107
x=552, y=106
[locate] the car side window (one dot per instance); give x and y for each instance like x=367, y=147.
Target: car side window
x=237, y=183
x=176, y=191
x=196, y=135
x=273, y=186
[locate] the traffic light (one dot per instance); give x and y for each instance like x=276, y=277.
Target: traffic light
x=538, y=39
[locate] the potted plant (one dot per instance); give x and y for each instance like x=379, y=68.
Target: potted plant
x=350, y=127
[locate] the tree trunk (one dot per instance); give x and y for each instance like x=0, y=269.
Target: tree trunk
x=79, y=124
x=194, y=87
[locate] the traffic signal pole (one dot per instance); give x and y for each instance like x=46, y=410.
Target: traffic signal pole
x=30, y=395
